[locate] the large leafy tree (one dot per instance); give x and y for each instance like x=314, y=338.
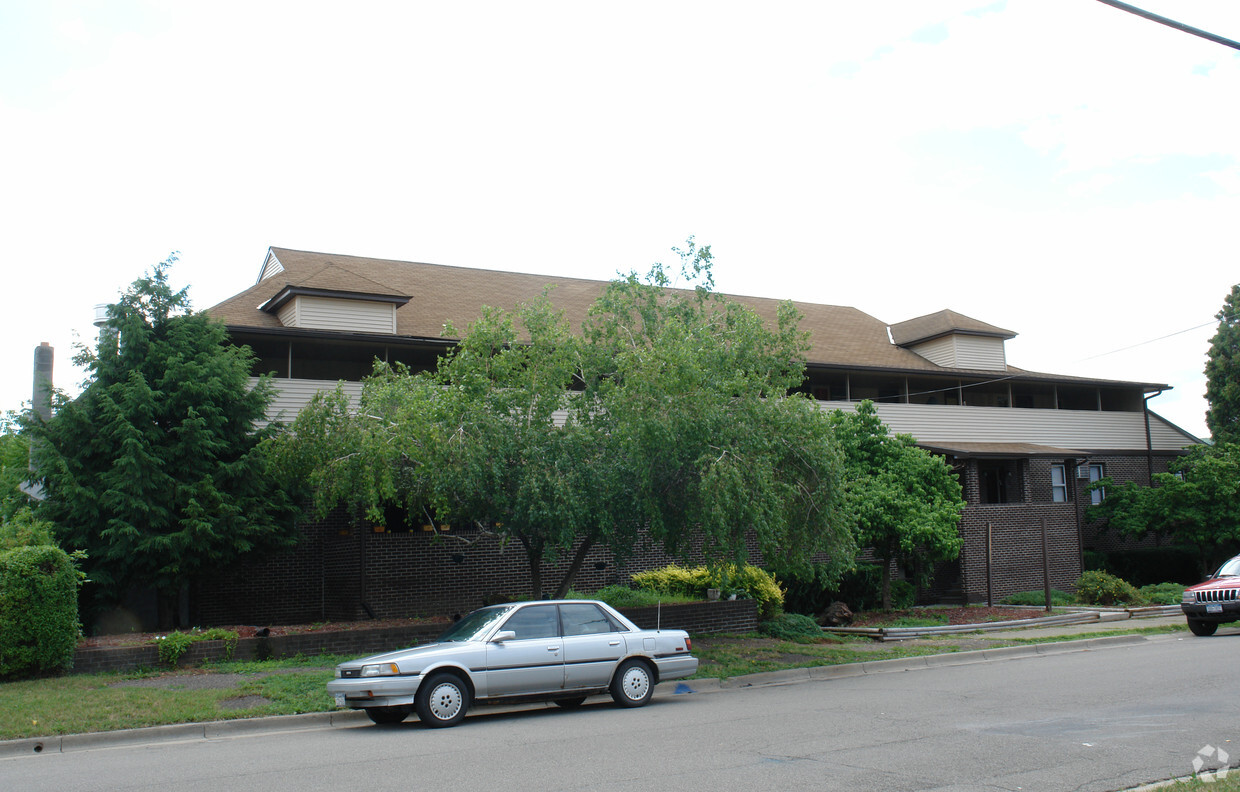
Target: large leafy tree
x=1196, y=504
x=697, y=393
x=669, y=412
x=905, y=502
x=1223, y=373
x=157, y=469
x=14, y=467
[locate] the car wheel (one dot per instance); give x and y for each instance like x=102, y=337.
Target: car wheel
x=442, y=700
x=570, y=703
x=1202, y=628
x=387, y=714
x=633, y=684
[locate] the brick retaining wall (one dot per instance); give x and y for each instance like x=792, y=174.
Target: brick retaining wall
x=699, y=617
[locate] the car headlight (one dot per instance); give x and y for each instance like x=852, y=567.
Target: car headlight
x=380, y=669
x=337, y=672
x=1189, y=598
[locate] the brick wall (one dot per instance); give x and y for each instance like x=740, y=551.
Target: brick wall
x=699, y=617
x=344, y=572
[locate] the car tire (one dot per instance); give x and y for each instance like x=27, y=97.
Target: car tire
x=442, y=700
x=387, y=714
x=633, y=684
x=570, y=703
x=1202, y=628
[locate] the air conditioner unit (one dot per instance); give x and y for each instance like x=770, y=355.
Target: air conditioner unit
x=1082, y=472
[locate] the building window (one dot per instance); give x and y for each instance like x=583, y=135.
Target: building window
x=1096, y=473
x=1059, y=483
x=999, y=480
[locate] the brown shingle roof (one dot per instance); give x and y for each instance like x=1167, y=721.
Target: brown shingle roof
x=839, y=336
x=923, y=328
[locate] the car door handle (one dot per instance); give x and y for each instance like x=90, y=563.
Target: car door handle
x=553, y=648
x=613, y=643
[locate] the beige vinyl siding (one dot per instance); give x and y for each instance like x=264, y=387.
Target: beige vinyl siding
x=329, y=313
x=288, y=314
x=965, y=352
x=1079, y=429
x=985, y=354
x=270, y=267
x=294, y=394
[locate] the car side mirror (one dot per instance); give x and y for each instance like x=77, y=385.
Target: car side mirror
x=504, y=635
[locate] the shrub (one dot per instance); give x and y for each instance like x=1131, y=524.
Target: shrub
x=172, y=646
x=791, y=627
x=38, y=610
x=1148, y=565
x=744, y=580
x=1163, y=593
x=1058, y=598
x=625, y=597
x=24, y=530
x=1101, y=588
x=903, y=594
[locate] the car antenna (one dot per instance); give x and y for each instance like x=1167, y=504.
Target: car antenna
x=658, y=618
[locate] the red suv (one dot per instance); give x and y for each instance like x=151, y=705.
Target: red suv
x=1214, y=602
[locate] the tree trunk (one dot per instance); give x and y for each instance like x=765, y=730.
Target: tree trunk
x=570, y=575
x=168, y=609
x=886, y=583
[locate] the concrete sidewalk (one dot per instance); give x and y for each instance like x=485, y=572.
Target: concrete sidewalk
x=341, y=718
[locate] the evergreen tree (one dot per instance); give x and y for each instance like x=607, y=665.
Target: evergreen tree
x=1223, y=373
x=156, y=470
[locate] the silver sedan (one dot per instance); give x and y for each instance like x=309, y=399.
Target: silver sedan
x=559, y=650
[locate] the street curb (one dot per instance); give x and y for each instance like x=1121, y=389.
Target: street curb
x=324, y=720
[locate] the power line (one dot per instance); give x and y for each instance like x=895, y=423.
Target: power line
x=1162, y=20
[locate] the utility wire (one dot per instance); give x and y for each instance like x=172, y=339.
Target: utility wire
x=1162, y=20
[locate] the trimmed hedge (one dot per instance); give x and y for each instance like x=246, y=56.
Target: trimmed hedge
x=38, y=610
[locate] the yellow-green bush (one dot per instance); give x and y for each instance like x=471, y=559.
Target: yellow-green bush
x=742, y=580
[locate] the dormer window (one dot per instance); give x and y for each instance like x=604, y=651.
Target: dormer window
x=321, y=309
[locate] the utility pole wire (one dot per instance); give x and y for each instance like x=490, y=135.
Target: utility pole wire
x=1162, y=20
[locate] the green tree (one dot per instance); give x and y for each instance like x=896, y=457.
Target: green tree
x=904, y=501
x=1196, y=504
x=669, y=412
x=14, y=467
x=1223, y=373
x=698, y=394
x=156, y=470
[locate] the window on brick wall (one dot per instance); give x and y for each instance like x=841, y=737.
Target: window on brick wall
x=1097, y=473
x=1000, y=480
x=1059, y=483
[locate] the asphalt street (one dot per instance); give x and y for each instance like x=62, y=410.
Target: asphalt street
x=1100, y=715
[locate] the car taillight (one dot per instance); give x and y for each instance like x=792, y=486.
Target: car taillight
x=688, y=644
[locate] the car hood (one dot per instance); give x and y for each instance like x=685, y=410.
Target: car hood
x=1229, y=582
x=410, y=659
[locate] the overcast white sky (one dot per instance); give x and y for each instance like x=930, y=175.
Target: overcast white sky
x=1056, y=167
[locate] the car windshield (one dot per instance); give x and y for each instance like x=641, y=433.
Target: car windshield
x=475, y=624
x=1230, y=569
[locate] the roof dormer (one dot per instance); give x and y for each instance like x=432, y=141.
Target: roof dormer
x=323, y=309
x=953, y=340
